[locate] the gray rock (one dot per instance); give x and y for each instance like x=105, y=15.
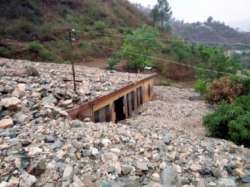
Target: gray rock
x=77, y=182
x=141, y=165
x=125, y=182
x=76, y=123
x=21, y=117
x=19, y=90
x=226, y=182
x=196, y=97
x=27, y=180
x=93, y=151
x=49, y=100
x=38, y=167
x=105, y=183
x=56, y=145
x=246, y=179
x=31, y=71
x=126, y=169
x=105, y=142
x=167, y=139
x=50, y=139
x=168, y=177
x=67, y=176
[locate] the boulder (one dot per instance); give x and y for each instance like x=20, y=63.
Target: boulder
x=10, y=103
x=27, y=180
x=67, y=176
x=6, y=123
x=169, y=177
x=19, y=90
x=227, y=182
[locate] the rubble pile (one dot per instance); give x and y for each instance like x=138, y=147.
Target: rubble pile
x=162, y=146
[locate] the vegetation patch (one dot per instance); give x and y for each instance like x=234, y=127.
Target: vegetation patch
x=231, y=121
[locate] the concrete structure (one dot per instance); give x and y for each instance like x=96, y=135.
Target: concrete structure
x=101, y=95
x=117, y=105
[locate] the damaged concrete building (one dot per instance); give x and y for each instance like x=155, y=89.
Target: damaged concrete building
x=117, y=105
x=102, y=95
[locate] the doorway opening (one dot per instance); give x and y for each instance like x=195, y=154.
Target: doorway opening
x=119, y=109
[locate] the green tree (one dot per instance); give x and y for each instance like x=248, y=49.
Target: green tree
x=161, y=13
x=137, y=49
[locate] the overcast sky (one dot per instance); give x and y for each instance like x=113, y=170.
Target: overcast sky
x=233, y=12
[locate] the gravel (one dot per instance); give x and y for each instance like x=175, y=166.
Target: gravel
x=163, y=145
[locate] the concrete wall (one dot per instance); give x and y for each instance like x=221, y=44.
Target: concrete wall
x=147, y=90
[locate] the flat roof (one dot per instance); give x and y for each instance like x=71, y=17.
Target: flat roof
x=91, y=82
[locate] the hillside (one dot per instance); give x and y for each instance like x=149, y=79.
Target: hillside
x=39, y=30
x=213, y=33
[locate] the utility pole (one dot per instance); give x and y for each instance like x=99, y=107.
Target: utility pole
x=72, y=38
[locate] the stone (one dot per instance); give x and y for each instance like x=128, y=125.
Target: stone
x=105, y=183
x=246, y=179
x=196, y=97
x=93, y=151
x=66, y=102
x=68, y=174
x=49, y=139
x=77, y=182
x=6, y=123
x=168, y=177
x=115, y=150
x=141, y=165
x=27, y=180
x=76, y=123
x=56, y=145
x=105, y=142
x=156, y=177
x=227, y=182
x=239, y=172
x=167, y=139
x=153, y=184
x=126, y=169
x=163, y=165
x=34, y=150
x=10, y=103
x=20, y=117
x=37, y=168
x=206, y=172
x=19, y=90
x=9, y=184
x=31, y=71
x=49, y=100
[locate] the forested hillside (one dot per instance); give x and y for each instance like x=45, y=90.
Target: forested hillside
x=39, y=30
x=211, y=32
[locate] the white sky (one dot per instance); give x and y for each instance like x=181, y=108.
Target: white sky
x=233, y=12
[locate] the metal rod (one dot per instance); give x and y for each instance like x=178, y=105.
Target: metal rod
x=71, y=37
x=74, y=75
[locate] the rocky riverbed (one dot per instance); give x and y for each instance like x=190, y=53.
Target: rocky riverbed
x=164, y=145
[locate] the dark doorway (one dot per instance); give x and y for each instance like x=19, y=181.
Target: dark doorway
x=119, y=109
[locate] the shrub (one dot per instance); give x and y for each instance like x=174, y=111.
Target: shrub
x=239, y=129
x=217, y=122
x=41, y=52
x=244, y=81
x=100, y=26
x=214, y=64
x=231, y=121
x=224, y=89
x=4, y=52
x=201, y=86
x=138, y=48
x=112, y=62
